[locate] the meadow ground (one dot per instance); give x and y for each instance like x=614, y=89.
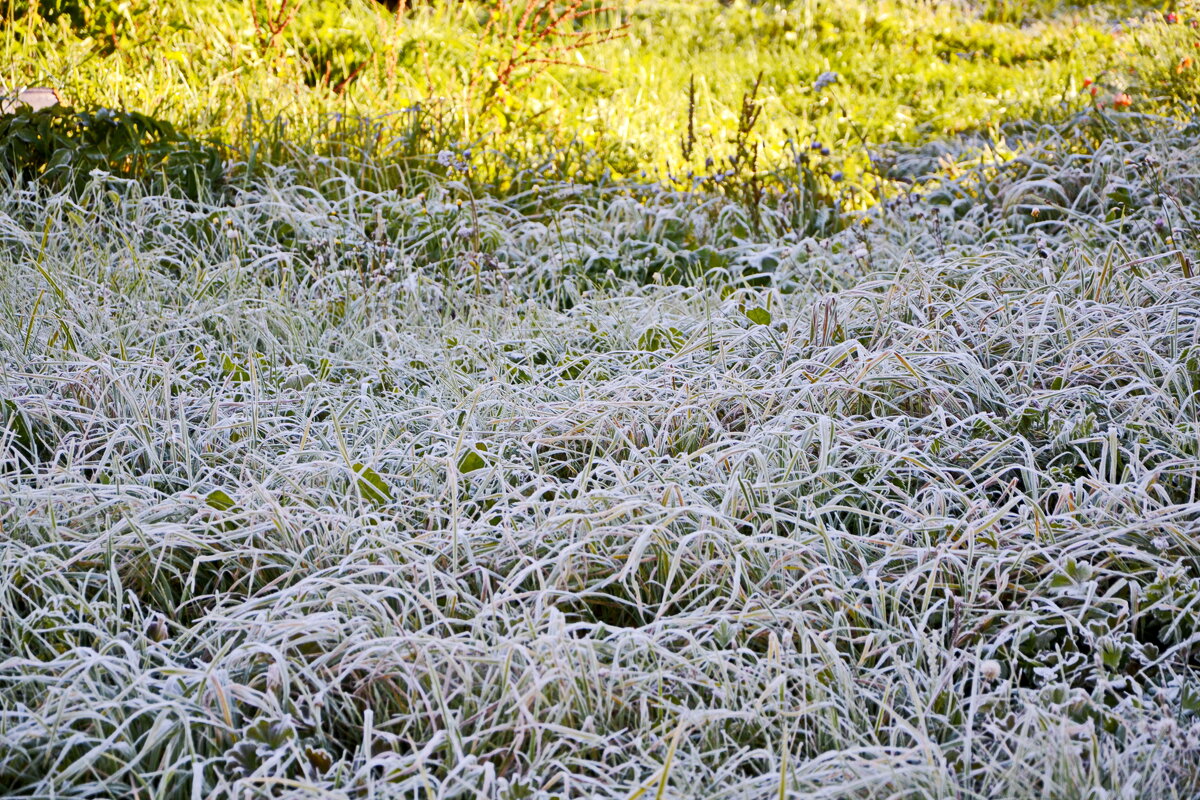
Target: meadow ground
x=331, y=473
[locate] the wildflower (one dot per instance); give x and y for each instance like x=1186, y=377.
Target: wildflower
x=1171, y=17
x=1122, y=100
x=1185, y=64
x=1095, y=91
x=825, y=79
x=1087, y=82
x=1160, y=543
x=989, y=669
x=837, y=176
x=450, y=160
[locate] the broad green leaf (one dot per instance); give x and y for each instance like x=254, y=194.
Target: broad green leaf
x=471, y=461
x=372, y=486
x=219, y=500
x=233, y=370
x=759, y=316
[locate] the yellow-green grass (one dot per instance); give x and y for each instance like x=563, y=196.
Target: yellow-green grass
x=907, y=71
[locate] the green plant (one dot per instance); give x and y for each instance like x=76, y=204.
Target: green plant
x=112, y=24
x=58, y=147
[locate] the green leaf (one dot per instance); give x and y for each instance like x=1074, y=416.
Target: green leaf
x=371, y=485
x=656, y=338
x=25, y=435
x=759, y=316
x=219, y=500
x=233, y=370
x=471, y=461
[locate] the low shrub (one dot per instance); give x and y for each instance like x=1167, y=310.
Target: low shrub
x=62, y=147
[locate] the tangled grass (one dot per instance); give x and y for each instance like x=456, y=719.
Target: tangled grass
x=317, y=492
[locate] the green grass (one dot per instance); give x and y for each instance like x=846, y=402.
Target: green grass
x=909, y=71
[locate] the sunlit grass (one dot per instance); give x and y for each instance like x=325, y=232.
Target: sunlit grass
x=908, y=71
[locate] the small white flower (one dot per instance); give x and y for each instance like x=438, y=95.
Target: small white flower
x=1160, y=542
x=450, y=160
x=989, y=669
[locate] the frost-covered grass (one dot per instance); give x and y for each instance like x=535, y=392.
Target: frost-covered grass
x=339, y=494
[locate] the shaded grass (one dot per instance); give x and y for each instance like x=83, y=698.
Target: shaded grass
x=377, y=494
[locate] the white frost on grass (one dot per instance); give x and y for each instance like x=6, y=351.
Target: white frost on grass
x=276, y=521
